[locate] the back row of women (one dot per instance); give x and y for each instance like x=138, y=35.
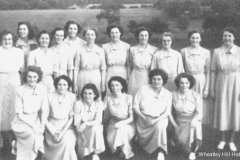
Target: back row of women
x=85, y=62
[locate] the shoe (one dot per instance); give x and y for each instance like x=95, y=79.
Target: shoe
x=160, y=156
x=192, y=156
x=14, y=148
x=221, y=145
x=232, y=147
x=95, y=157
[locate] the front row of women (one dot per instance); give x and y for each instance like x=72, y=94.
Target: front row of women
x=52, y=115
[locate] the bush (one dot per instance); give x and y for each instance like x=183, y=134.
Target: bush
x=4, y=5
x=93, y=7
x=224, y=7
x=39, y=4
x=182, y=23
x=146, y=6
x=133, y=7
x=17, y=5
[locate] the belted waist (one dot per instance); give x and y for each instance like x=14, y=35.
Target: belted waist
x=196, y=73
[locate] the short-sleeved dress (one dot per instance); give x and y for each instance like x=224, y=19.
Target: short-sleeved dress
x=63, y=59
x=140, y=62
x=93, y=134
x=117, y=60
x=152, y=106
x=74, y=45
x=59, y=114
x=171, y=62
x=47, y=62
x=89, y=63
x=226, y=66
x=183, y=111
x=29, y=104
x=11, y=62
x=119, y=111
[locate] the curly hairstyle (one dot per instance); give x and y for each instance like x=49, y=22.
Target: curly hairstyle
x=167, y=34
x=158, y=72
x=31, y=33
x=231, y=30
x=66, y=27
x=58, y=29
x=119, y=79
x=190, y=33
x=32, y=69
x=41, y=33
x=189, y=77
x=140, y=29
x=109, y=28
x=64, y=77
x=90, y=28
x=4, y=33
x=93, y=88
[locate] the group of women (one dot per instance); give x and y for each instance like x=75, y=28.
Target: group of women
x=64, y=80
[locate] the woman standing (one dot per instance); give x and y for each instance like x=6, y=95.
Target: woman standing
x=225, y=83
x=90, y=66
x=28, y=124
x=168, y=59
x=88, y=121
x=60, y=138
x=11, y=64
x=44, y=58
x=152, y=105
x=26, y=39
x=140, y=60
x=186, y=115
x=117, y=54
x=121, y=128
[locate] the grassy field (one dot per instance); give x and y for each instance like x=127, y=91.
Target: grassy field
x=49, y=19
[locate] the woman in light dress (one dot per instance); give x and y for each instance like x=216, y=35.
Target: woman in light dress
x=45, y=58
x=186, y=117
x=225, y=83
x=60, y=137
x=168, y=59
x=26, y=39
x=88, y=122
x=31, y=109
x=64, y=60
x=197, y=62
x=11, y=64
x=90, y=65
x=121, y=127
x=152, y=105
x=141, y=57
x=117, y=54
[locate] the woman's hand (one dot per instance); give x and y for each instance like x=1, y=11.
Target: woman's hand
x=58, y=137
x=82, y=127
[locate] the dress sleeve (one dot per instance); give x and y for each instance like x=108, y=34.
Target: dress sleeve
x=18, y=103
x=208, y=62
x=129, y=102
x=77, y=113
x=138, y=98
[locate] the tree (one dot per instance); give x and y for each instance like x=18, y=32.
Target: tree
x=183, y=22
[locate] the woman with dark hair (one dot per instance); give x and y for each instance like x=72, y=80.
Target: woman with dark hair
x=197, y=62
x=152, y=105
x=88, y=122
x=225, y=83
x=117, y=54
x=140, y=60
x=186, y=115
x=60, y=138
x=90, y=65
x=26, y=39
x=168, y=59
x=63, y=53
x=31, y=109
x=11, y=64
x=121, y=128
x=45, y=58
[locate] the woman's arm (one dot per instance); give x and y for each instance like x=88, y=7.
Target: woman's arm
x=66, y=127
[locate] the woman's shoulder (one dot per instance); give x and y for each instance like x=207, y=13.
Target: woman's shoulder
x=166, y=92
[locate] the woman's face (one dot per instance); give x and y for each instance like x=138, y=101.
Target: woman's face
x=90, y=36
x=116, y=87
x=157, y=81
x=72, y=30
x=184, y=84
x=23, y=31
x=62, y=86
x=44, y=40
x=59, y=36
x=143, y=37
x=7, y=41
x=166, y=42
x=228, y=38
x=88, y=95
x=32, y=78
x=115, y=34
x=195, y=39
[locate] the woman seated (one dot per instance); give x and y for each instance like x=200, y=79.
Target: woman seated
x=152, y=105
x=186, y=115
x=60, y=138
x=121, y=128
x=28, y=124
x=88, y=121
